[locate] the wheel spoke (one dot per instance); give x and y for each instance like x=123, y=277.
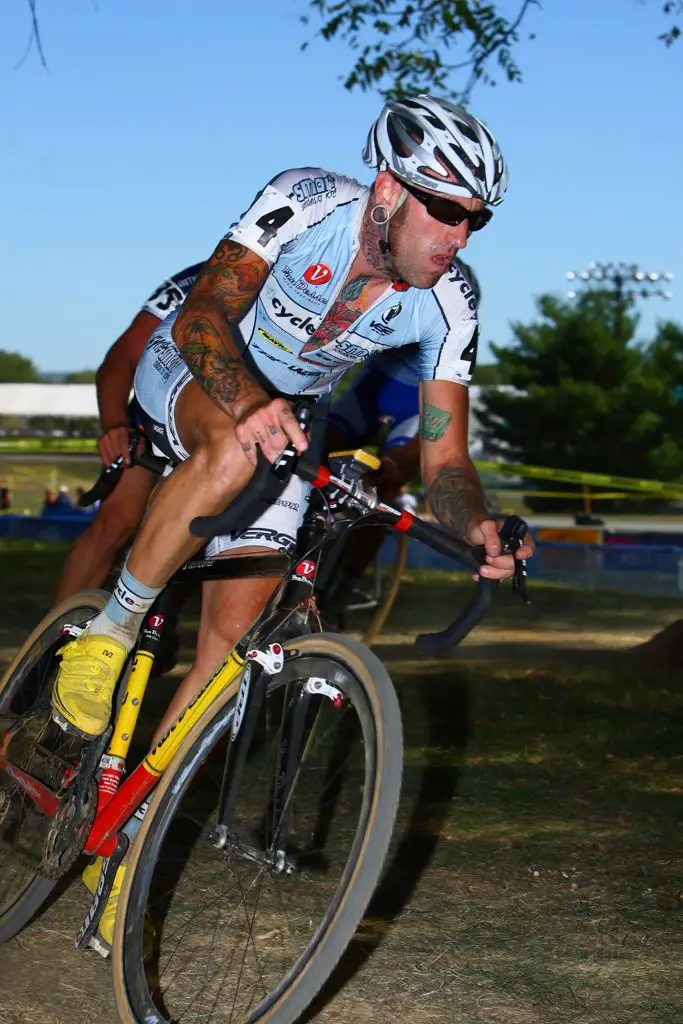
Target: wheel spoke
x=237, y=924
x=37, y=747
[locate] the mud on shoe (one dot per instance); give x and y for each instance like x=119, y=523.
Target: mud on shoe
x=84, y=687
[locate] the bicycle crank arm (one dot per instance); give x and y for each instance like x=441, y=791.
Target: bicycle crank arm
x=104, y=886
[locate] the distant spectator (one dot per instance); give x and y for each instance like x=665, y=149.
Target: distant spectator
x=49, y=503
x=407, y=500
x=5, y=498
x=63, y=501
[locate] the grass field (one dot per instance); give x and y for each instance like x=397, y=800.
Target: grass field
x=536, y=874
x=29, y=478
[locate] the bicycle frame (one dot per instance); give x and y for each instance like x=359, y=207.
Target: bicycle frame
x=116, y=801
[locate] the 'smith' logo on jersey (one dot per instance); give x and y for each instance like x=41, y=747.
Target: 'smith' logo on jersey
x=314, y=190
x=318, y=273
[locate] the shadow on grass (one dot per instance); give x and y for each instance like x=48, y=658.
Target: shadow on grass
x=430, y=805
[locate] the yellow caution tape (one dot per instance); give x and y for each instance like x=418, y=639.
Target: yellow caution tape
x=602, y=496
x=649, y=488
x=653, y=487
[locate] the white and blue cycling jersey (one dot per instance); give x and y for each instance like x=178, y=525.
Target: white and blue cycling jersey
x=386, y=391
x=305, y=225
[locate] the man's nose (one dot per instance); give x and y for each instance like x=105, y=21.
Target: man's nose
x=458, y=234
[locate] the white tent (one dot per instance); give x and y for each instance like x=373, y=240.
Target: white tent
x=72, y=401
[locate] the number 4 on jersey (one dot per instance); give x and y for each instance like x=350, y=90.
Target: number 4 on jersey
x=272, y=222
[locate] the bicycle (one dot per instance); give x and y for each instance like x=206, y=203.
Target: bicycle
x=276, y=789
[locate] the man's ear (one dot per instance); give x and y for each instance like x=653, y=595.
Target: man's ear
x=387, y=190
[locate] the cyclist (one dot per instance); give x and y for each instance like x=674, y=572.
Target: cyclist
x=91, y=556
x=319, y=274
x=384, y=395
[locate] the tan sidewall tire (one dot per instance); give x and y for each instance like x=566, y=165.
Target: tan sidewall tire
x=37, y=892
x=360, y=660
x=95, y=598
x=120, y=993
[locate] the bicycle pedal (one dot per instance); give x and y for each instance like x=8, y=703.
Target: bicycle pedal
x=67, y=727
x=87, y=936
x=99, y=946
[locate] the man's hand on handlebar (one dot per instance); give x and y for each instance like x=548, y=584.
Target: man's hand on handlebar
x=498, y=566
x=114, y=444
x=271, y=426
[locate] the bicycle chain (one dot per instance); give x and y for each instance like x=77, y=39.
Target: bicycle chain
x=72, y=822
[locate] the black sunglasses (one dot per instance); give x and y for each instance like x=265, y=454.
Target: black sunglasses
x=447, y=211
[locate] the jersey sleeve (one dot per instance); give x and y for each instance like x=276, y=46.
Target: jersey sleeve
x=292, y=202
x=448, y=344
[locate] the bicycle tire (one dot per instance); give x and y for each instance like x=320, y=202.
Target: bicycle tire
x=17, y=910
x=285, y=1002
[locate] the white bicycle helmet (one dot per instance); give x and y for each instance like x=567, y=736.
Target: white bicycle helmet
x=439, y=147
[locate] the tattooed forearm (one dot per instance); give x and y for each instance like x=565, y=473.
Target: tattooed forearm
x=223, y=292
x=433, y=422
x=455, y=496
x=218, y=371
x=231, y=279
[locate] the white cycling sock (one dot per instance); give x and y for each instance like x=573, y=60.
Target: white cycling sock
x=123, y=613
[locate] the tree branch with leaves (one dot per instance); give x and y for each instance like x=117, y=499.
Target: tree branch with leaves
x=410, y=46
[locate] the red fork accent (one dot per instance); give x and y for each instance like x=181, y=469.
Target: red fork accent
x=36, y=791
x=102, y=838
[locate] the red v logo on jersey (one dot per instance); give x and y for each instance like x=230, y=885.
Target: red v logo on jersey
x=318, y=273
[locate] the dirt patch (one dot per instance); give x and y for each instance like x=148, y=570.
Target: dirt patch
x=535, y=874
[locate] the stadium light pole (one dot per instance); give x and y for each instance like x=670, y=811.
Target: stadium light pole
x=626, y=280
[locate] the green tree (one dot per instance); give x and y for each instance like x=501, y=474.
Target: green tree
x=408, y=46
x=17, y=369
x=488, y=375
x=81, y=377
x=664, y=368
x=587, y=397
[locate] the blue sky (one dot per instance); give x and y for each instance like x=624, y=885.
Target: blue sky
x=159, y=121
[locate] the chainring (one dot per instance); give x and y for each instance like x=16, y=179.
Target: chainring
x=5, y=801
x=68, y=831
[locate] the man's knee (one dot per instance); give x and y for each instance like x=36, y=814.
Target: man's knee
x=221, y=461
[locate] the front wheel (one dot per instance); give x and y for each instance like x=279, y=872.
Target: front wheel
x=251, y=931
x=36, y=745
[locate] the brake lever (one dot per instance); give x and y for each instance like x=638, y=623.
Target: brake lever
x=284, y=463
x=512, y=535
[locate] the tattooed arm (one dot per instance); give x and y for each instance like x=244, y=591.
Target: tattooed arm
x=454, y=490
x=223, y=292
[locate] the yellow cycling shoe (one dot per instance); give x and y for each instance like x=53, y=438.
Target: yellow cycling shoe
x=83, y=691
x=101, y=942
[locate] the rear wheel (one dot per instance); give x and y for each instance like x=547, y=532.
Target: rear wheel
x=31, y=742
x=251, y=931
